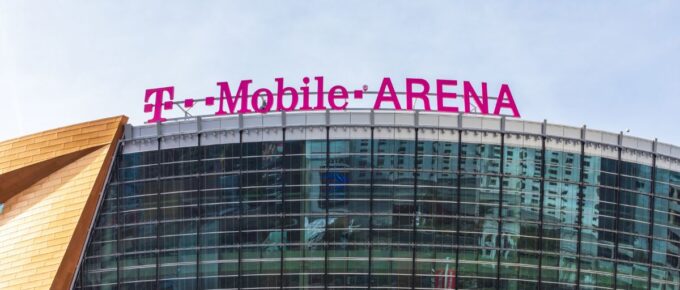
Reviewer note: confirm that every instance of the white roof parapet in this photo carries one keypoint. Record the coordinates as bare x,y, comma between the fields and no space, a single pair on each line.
675,151
395,118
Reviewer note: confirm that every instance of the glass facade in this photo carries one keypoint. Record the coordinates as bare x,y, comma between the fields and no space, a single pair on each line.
466,210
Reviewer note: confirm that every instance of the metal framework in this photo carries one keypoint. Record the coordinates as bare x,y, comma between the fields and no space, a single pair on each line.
543,137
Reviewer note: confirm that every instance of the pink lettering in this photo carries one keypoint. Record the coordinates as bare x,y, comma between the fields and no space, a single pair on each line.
157,106
267,103
482,104
241,93
442,95
337,92
501,103
411,95
305,95
319,94
280,92
264,100
392,97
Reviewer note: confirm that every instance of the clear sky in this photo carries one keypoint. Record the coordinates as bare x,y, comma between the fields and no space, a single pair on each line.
612,65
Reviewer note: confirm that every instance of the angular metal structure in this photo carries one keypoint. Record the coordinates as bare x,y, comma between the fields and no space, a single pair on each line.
50,184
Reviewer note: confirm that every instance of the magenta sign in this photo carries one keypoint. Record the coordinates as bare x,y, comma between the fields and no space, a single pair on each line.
440,95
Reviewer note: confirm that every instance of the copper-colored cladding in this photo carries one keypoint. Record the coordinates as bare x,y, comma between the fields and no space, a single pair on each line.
50,183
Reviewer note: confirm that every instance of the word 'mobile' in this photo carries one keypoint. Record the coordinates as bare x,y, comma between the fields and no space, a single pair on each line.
285,98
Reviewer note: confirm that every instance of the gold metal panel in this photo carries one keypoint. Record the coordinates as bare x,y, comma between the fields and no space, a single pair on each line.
27,150
46,217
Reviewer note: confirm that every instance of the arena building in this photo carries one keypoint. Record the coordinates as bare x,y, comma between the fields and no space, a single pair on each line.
354,199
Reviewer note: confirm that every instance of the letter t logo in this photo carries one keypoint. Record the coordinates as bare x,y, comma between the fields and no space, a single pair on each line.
158,105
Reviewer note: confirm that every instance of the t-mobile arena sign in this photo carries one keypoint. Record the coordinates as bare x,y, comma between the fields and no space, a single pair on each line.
443,97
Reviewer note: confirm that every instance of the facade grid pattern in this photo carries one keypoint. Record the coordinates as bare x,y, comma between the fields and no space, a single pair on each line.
472,210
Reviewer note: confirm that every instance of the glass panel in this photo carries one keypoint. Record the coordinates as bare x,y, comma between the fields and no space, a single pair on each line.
311,214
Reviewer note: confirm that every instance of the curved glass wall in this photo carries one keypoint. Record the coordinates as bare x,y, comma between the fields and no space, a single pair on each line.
474,210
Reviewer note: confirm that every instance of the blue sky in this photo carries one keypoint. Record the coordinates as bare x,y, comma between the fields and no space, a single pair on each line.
612,65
